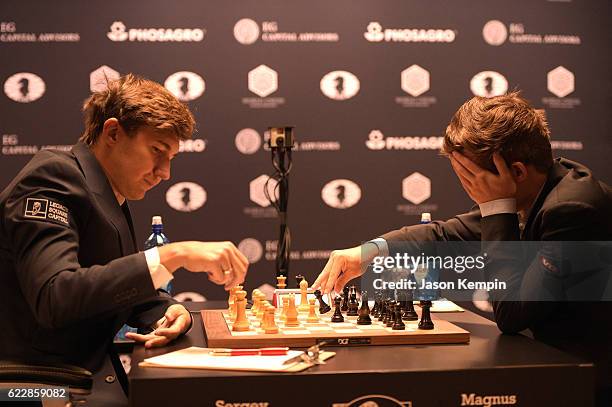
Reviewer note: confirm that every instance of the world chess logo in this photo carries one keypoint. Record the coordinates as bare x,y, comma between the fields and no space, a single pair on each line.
376,140
340,85
117,32
185,85
495,32
246,31
416,188
560,81
186,196
248,141
252,249
374,400
100,78
257,188
341,193
263,81
374,32
415,80
24,87
36,208
489,84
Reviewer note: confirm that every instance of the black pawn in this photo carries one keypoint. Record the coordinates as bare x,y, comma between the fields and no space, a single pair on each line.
364,311
398,324
376,308
345,299
383,310
353,304
323,307
426,322
409,312
337,317
390,319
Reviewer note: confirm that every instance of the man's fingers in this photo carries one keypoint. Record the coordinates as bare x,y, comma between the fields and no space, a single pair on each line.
501,166
336,269
341,282
139,337
469,165
460,170
156,342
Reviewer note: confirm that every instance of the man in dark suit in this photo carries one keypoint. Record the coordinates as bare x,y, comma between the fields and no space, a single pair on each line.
500,150
71,273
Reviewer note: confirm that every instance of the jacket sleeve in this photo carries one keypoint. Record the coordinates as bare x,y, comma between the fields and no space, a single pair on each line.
539,275
45,245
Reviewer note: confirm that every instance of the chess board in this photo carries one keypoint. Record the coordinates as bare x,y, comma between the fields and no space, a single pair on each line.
218,331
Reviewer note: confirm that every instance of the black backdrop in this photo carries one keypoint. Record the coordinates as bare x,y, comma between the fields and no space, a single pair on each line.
556,52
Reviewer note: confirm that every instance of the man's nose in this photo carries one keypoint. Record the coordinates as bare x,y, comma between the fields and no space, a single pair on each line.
163,170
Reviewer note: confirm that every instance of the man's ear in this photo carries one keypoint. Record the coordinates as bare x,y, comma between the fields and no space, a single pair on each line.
110,131
519,171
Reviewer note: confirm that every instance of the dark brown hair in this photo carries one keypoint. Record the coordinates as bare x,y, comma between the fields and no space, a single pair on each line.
136,102
506,124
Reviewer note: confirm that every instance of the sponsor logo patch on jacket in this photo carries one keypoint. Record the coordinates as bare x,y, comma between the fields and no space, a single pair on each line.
38,208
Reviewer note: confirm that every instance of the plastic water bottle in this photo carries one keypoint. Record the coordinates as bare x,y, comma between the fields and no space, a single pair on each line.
427,272
158,238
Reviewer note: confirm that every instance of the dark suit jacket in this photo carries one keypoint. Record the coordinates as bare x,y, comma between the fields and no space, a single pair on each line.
70,273
572,206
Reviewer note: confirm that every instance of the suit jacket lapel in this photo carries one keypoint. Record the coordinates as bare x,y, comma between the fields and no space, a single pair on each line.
100,186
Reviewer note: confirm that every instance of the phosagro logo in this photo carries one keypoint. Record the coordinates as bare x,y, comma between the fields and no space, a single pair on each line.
118,32
473,399
186,196
341,193
185,85
377,141
24,87
376,33
340,85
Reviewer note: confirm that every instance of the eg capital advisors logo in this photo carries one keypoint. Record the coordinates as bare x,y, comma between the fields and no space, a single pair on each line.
495,32
252,249
246,31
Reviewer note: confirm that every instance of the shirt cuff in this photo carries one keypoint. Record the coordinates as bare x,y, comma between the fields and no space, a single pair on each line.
381,244
159,273
504,205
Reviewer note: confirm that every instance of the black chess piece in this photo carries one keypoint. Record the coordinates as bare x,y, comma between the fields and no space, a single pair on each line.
345,299
383,310
426,322
409,312
376,308
353,304
398,324
323,307
337,317
298,280
390,319
364,311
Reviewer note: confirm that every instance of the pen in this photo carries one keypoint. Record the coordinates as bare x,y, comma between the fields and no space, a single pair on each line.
248,352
